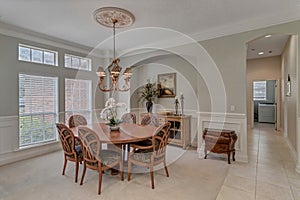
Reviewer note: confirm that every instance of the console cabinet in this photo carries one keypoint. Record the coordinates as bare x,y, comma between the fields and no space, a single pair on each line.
180,131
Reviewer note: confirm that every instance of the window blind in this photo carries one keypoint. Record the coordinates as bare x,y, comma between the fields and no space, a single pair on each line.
37,109
78,98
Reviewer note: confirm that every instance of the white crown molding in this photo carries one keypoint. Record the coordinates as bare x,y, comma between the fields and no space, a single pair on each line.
18,32
248,25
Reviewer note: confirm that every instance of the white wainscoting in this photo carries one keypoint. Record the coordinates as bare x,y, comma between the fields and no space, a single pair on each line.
9,143
230,121
9,138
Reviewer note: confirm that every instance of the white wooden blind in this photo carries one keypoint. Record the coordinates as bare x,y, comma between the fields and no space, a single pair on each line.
37,109
259,90
78,97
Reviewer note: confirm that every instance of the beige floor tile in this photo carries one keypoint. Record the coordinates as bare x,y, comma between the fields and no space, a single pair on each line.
246,172
229,193
241,183
296,194
294,183
278,179
271,191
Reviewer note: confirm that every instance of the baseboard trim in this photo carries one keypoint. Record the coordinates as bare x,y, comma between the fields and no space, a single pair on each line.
27,153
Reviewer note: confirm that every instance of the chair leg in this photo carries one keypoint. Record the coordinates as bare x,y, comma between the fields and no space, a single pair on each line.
166,169
76,171
128,170
228,157
205,153
65,165
100,180
83,173
152,176
233,156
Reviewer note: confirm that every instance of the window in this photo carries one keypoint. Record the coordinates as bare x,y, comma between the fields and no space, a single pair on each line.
76,62
260,90
37,109
78,98
37,55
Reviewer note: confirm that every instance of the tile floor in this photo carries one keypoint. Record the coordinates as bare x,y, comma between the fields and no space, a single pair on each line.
270,173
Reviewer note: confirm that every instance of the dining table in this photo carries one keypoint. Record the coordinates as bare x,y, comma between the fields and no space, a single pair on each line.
128,133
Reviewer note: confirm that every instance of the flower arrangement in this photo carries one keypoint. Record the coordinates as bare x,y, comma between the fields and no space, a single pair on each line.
148,93
110,113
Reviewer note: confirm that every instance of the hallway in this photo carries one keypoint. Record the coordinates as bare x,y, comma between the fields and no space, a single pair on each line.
270,173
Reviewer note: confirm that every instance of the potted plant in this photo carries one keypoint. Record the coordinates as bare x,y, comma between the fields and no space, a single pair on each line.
110,113
148,93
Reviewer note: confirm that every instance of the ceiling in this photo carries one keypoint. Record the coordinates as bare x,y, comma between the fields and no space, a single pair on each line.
267,46
72,20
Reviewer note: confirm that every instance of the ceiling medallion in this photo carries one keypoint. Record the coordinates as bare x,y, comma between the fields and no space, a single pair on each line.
105,15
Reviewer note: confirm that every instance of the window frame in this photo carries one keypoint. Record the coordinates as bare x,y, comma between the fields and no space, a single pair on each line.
55,63
34,114
89,62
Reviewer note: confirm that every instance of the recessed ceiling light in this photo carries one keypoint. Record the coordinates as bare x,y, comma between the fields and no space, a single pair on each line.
260,53
267,36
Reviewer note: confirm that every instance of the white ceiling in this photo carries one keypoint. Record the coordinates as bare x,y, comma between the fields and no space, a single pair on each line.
72,20
270,46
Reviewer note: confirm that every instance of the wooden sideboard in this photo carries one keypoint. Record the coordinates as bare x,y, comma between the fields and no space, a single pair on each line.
180,131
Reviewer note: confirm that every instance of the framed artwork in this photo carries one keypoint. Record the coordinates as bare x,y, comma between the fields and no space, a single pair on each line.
166,84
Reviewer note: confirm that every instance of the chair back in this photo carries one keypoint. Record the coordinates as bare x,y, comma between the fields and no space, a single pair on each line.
160,139
151,120
77,120
67,139
129,118
91,145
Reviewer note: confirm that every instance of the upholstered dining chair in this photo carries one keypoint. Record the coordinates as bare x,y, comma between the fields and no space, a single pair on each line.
77,120
129,118
72,152
96,158
153,154
150,119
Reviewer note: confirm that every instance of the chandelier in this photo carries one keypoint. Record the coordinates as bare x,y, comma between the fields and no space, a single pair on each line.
114,18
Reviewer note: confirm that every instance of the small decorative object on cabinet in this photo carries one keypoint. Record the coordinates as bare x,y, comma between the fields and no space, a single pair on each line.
179,134
220,141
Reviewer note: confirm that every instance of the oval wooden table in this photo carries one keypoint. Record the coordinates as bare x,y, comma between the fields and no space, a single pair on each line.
128,133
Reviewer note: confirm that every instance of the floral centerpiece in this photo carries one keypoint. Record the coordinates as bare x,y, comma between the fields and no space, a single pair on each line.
110,113
148,93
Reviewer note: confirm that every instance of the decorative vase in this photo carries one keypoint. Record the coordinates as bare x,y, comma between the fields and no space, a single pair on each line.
149,105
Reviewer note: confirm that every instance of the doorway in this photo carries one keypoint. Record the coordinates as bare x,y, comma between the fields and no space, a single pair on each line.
265,102
264,70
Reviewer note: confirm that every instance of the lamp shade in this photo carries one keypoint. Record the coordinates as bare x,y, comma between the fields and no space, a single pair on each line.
100,72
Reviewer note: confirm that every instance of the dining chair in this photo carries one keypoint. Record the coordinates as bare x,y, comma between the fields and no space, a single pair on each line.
153,154
76,120
72,152
150,119
96,158
129,118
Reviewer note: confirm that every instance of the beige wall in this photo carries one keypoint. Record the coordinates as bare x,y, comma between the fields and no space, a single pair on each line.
261,69
289,60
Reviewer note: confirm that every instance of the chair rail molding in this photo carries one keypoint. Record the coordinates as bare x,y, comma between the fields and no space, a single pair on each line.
9,143
229,121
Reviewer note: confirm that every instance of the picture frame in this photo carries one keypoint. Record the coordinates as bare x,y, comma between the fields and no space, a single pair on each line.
166,84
